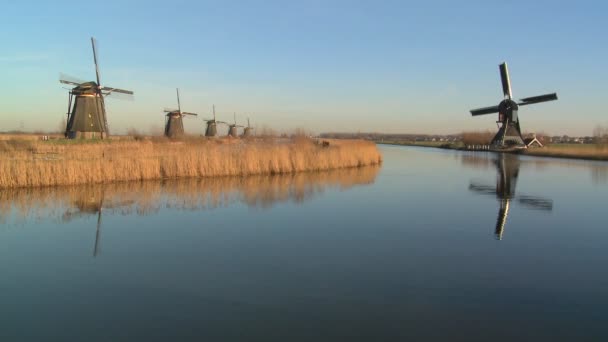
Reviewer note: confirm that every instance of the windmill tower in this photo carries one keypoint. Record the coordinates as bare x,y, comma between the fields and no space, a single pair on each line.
509,133
248,131
174,125
86,108
233,128
211,129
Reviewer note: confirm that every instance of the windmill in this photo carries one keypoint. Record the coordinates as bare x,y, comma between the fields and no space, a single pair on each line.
507,168
509,133
86,108
247,131
211,130
174,125
232,128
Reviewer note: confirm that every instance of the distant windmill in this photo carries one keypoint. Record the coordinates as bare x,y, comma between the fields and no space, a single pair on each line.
211,130
509,134
174,125
86,108
507,168
247,132
233,128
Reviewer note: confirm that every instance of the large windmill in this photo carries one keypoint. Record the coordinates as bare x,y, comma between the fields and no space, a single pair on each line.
248,130
509,133
174,125
211,129
86,108
507,168
233,128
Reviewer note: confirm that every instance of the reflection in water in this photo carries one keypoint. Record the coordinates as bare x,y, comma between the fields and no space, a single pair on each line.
144,198
507,167
598,169
599,173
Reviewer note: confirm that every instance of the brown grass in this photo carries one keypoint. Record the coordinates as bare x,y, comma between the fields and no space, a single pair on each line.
42,163
577,151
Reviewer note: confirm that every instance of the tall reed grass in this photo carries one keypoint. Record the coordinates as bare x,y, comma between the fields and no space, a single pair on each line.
42,163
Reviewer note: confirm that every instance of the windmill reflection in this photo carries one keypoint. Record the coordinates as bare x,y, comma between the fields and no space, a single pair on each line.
507,168
76,203
93,202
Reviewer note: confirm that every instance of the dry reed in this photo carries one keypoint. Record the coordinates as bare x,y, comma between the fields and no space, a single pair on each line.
41,163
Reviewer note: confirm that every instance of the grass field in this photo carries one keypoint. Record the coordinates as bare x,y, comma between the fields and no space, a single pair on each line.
576,151
415,143
26,163
573,151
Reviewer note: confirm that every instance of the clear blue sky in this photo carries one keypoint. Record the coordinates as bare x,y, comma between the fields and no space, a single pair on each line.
391,66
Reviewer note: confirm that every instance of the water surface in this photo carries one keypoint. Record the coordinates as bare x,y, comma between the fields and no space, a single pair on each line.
435,245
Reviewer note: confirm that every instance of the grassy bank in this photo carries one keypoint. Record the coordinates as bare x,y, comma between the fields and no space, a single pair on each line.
46,163
419,143
573,151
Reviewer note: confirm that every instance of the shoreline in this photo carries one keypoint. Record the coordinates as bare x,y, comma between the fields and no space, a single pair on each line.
546,152
55,163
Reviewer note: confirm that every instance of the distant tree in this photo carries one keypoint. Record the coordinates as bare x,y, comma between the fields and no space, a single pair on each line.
477,137
600,135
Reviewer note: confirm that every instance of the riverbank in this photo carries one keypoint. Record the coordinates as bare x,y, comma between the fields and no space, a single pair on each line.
70,162
568,151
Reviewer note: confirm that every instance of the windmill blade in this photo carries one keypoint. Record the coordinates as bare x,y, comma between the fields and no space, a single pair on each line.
104,117
538,99
97,233
188,113
119,96
505,79
484,111
67,79
482,189
536,203
111,90
94,45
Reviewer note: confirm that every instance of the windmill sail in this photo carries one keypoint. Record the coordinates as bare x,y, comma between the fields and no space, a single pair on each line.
538,99
506,80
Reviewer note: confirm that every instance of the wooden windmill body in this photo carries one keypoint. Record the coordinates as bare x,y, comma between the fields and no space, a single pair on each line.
86,107
211,128
174,124
233,128
248,130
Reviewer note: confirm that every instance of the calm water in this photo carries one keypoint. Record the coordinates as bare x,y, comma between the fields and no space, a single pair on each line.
435,245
